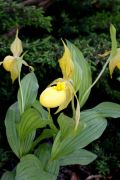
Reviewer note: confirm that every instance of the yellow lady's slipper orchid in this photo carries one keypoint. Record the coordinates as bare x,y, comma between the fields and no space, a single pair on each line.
53,96
60,92
10,63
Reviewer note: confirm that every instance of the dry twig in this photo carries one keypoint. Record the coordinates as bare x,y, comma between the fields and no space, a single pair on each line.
96,177
42,3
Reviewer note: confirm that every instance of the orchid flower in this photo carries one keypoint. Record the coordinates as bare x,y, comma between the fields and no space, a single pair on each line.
60,92
11,63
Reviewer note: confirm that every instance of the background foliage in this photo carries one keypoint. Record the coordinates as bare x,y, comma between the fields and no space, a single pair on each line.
41,26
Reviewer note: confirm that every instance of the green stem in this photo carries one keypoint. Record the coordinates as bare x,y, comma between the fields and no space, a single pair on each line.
96,80
21,93
73,106
77,114
51,124
36,142
41,137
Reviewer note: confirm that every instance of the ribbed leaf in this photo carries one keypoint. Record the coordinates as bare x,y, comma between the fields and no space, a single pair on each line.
47,133
31,120
67,132
95,125
40,109
56,151
108,109
13,117
19,147
82,75
30,168
53,167
66,124
77,76
81,156
29,86
26,143
8,176
44,153
62,147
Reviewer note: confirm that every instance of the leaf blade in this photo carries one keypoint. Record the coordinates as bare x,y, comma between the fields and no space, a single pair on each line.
8,176
81,156
108,109
12,116
95,126
30,168
30,121
29,87
82,78
18,146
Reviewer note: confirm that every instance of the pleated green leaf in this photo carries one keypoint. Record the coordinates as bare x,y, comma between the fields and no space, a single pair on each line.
30,168
81,156
40,109
46,116
13,117
29,86
82,78
43,152
8,176
18,146
26,144
95,126
53,167
31,120
67,132
77,76
108,109
66,124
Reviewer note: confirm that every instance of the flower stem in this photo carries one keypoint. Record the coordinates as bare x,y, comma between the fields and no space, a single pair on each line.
96,80
21,93
73,106
19,65
51,124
